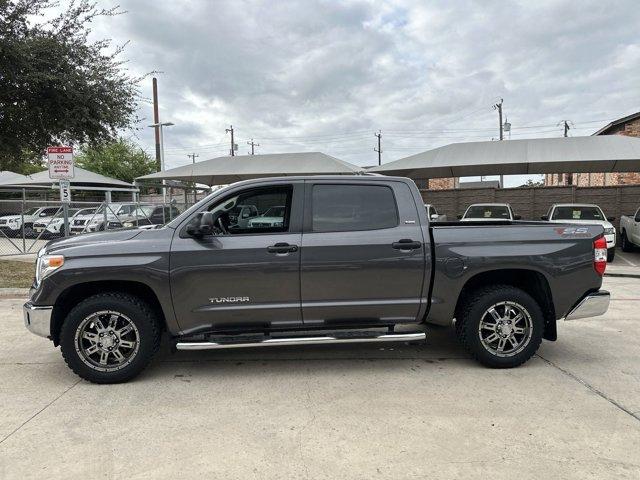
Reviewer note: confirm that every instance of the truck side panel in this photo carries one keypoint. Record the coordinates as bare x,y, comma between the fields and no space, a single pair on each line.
563,254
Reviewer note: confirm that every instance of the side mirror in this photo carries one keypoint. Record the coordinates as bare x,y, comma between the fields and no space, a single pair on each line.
544,217
611,219
459,217
201,225
206,224
517,217
434,216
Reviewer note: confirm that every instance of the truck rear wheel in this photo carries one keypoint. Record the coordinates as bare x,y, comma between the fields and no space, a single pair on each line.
501,326
109,337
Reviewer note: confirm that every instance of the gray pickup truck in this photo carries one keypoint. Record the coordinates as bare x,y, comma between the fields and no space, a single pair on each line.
354,259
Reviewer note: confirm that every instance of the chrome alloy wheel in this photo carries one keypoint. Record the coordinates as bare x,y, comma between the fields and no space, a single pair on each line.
107,341
505,329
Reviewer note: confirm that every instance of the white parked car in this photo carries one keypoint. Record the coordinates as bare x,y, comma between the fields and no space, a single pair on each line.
630,231
54,226
117,213
273,217
433,214
11,225
482,212
585,214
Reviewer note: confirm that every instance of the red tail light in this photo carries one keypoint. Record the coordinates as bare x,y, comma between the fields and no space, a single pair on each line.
600,255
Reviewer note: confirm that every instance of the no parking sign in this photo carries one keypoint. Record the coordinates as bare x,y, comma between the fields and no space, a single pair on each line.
60,162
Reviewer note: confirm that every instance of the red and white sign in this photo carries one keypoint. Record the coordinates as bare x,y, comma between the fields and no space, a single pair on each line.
60,162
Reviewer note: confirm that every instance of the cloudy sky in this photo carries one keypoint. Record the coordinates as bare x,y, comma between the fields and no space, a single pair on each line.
325,75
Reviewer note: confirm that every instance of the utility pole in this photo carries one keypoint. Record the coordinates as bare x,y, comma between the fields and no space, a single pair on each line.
379,149
192,156
252,146
498,106
158,127
565,124
156,121
568,178
227,130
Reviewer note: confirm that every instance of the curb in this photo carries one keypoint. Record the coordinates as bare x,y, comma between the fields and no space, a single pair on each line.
622,275
14,292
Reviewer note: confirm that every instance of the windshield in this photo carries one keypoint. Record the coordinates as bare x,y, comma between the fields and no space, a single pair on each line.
86,211
144,211
577,213
274,212
488,211
32,211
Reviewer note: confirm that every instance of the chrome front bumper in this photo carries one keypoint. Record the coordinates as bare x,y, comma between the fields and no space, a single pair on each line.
37,319
592,305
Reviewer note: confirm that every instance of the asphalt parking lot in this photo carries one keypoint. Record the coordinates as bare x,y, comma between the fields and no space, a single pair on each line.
402,411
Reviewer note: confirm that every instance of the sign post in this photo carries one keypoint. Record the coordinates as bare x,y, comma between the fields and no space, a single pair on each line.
61,168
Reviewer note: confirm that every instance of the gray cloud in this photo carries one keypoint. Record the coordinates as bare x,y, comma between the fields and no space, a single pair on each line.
324,75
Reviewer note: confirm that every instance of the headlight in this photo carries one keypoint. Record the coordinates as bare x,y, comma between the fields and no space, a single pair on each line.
46,264
609,231
128,224
13,220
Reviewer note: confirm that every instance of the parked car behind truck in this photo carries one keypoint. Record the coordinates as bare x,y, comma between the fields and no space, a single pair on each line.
11,225
486,212
582,214
354,258
630,231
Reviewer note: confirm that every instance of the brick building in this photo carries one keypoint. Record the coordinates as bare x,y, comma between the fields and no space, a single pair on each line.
630,126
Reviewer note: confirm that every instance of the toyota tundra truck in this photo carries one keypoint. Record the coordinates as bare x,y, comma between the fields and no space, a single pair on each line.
352,259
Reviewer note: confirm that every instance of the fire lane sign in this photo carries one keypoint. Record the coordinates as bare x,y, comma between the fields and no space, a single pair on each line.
60,162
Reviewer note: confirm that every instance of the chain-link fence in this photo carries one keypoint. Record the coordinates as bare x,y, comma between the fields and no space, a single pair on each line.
26,225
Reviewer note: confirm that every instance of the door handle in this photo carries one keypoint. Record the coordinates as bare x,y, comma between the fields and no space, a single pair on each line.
406,244
282,248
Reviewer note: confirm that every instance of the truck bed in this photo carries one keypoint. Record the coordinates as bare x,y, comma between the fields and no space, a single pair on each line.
559,256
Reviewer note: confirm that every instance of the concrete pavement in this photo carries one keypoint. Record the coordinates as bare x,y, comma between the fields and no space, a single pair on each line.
398,411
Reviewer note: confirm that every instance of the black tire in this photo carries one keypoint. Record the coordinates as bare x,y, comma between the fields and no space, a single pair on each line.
611,254
477,305
625,244
132,310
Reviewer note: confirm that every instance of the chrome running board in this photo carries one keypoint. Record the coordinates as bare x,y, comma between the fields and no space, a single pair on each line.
275,342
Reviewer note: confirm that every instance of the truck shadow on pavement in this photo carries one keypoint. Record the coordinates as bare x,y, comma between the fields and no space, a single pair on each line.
441,346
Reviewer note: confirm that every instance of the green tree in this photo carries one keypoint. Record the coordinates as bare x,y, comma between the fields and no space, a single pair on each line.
120,159
57,87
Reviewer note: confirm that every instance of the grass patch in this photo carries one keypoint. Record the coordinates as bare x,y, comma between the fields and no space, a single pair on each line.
14,274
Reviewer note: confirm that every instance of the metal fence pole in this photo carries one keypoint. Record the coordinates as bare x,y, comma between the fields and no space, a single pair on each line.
24,204
65,216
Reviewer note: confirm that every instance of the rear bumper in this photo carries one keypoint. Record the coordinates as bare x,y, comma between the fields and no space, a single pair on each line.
592,305
37,319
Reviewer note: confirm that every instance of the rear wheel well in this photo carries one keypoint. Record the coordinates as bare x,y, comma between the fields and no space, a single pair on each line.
76,293
530,281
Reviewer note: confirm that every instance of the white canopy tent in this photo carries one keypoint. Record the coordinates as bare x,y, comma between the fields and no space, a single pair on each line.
9,176
224,170
82,180
595,154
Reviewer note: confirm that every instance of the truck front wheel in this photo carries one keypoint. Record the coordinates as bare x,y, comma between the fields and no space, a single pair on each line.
501,326
109,337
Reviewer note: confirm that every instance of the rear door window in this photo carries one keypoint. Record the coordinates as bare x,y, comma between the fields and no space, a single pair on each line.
340,208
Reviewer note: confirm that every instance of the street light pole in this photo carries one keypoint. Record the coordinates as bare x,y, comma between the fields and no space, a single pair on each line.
160,131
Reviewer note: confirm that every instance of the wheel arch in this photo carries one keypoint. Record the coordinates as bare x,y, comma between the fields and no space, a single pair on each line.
74,294
530,281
